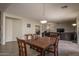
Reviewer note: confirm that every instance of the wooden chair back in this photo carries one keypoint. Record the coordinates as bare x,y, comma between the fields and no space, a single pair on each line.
56,42
22,47
29,36
56,46
35,36
55,51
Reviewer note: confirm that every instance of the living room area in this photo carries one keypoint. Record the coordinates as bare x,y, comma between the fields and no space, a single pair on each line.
67,30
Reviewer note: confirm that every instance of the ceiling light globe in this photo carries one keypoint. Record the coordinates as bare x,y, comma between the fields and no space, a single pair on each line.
43,21
74,24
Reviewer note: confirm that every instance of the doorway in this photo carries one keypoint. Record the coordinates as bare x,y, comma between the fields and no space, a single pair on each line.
37,29
13,29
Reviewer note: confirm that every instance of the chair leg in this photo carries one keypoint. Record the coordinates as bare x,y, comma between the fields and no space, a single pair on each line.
56,52
19,53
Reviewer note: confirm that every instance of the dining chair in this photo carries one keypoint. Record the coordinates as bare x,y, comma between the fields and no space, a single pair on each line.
23,49
35,36
28,36
54,48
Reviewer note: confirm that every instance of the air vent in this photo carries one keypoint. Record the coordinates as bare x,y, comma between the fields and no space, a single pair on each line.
64,7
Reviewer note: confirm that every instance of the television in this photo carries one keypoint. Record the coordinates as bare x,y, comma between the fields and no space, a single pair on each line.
60,30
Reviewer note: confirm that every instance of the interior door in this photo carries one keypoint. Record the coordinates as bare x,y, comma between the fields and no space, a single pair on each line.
13,29
17,29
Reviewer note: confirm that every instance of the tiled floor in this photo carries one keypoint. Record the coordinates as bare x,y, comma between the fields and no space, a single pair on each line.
66,48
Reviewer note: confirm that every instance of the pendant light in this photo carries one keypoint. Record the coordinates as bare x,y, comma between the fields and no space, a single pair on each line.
43,21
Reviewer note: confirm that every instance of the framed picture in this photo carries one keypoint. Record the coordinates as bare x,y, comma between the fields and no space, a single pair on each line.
28,25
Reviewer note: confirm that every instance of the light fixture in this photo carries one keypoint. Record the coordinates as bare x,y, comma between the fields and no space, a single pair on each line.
43,21
74,24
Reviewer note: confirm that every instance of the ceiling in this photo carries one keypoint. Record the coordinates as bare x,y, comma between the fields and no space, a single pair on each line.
53,11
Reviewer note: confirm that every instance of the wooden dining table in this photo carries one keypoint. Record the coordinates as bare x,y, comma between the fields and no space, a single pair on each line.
41,43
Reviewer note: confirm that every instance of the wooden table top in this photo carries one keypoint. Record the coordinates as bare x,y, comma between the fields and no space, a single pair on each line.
42,42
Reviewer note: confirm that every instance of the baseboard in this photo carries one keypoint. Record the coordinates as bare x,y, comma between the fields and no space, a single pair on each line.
10,41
